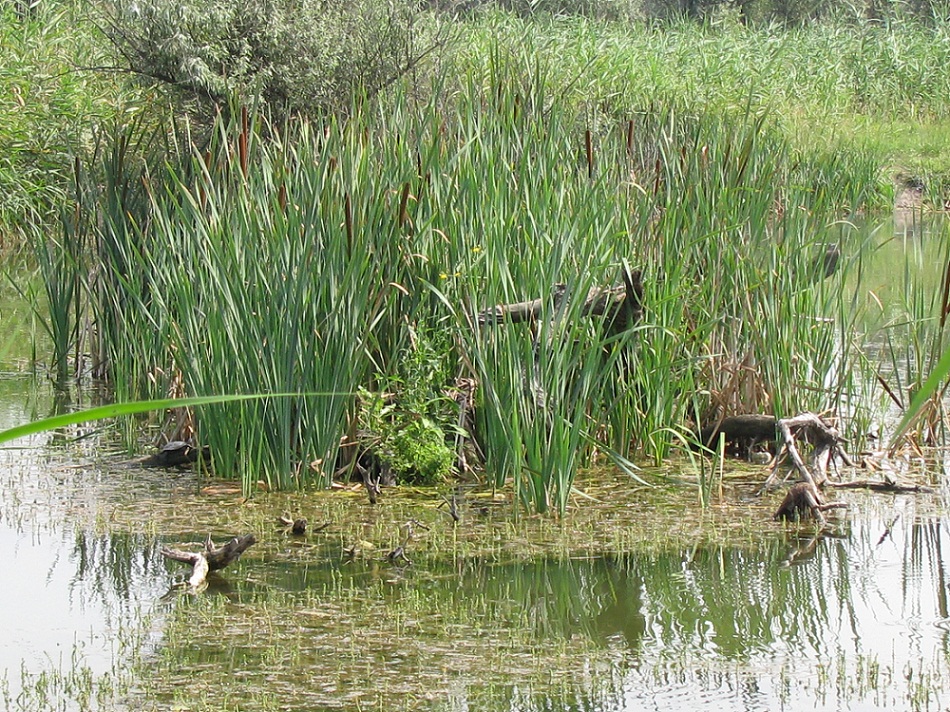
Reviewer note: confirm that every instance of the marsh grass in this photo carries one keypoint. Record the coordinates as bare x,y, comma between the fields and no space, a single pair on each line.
908,323
309,257
53,99
280,259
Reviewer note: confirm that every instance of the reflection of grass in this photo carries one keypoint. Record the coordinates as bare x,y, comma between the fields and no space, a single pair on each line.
493,612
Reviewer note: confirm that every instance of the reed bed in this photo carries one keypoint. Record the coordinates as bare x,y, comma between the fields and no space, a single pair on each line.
820,71
307,258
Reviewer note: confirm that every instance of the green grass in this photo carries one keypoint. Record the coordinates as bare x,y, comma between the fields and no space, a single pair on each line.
54,103
282,260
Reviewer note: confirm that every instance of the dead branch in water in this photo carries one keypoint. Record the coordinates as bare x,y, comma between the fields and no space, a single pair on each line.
212,558
885,486
297,527
811,429
624,304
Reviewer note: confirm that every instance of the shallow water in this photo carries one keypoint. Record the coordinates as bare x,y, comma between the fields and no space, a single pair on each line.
637,600
495,615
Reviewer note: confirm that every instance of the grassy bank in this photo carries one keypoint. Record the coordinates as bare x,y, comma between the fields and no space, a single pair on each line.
827,86
882,87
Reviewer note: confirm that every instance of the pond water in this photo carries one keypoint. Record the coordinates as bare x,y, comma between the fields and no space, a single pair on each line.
650,603
638,599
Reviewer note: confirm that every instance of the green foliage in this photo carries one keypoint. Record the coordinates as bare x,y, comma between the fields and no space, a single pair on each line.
51,100
417,452
296,56
301,257
409,426
275,262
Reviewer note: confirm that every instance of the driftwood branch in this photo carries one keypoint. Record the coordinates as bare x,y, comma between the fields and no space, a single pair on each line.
212,558
811,429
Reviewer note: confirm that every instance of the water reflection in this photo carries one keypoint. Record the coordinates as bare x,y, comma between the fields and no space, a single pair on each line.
75,601
854,620
857,618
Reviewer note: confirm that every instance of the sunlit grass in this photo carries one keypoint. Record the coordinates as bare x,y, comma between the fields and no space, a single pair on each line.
281,260
305,258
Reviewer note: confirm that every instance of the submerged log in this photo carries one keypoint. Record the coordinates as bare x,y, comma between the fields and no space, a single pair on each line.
212,558
886,486
297,527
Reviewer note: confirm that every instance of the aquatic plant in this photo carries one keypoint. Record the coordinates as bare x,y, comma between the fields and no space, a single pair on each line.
305,258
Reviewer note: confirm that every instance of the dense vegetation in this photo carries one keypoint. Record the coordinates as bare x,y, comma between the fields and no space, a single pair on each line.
326,218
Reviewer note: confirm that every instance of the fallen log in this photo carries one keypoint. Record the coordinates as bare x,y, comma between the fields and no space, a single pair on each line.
212,558
177,453
623,304
749,428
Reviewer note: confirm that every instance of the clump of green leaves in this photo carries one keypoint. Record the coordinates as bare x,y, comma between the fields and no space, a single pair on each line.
412,419
417,452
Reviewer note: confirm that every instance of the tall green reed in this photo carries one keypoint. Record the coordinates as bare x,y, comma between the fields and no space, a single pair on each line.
300,258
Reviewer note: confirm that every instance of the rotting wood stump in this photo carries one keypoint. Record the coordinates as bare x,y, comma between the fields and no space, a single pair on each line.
212,558
804,500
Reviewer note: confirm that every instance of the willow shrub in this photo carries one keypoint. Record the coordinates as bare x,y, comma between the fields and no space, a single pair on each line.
300,259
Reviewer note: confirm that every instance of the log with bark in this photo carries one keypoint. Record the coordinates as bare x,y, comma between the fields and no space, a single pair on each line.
623,304
212,558
740,430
